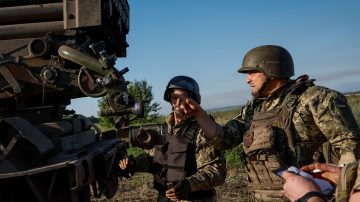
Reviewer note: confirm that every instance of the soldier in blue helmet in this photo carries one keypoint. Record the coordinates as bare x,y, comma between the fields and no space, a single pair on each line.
184,167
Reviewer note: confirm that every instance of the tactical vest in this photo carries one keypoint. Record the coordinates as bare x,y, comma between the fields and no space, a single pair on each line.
176,160
270,144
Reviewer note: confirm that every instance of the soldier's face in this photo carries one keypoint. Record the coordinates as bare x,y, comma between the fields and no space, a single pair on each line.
255,79
177,103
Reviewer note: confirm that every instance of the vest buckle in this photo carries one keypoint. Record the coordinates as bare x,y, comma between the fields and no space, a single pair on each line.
261,157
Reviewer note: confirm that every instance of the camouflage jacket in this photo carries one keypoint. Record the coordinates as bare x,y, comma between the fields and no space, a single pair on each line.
348,182
320,112
211,163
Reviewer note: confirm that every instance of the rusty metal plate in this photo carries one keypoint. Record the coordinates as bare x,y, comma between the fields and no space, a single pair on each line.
55,129
75,141
10,79
79,13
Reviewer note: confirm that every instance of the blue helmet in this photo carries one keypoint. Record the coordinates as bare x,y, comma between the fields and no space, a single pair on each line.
186,83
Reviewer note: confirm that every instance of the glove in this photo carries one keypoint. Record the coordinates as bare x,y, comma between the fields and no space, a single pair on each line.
128,164
132,163
182,189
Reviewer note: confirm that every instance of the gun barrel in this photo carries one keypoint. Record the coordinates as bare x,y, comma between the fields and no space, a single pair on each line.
137,109
7,3
30,30
31,13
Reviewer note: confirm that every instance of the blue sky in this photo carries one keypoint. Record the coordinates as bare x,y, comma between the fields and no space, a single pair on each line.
207,40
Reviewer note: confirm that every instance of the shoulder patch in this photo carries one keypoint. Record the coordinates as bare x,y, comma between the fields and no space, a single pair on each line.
341,104
248,138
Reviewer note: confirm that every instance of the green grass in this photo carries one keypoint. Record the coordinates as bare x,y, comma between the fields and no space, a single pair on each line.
233,158
222,117
135,151
232,155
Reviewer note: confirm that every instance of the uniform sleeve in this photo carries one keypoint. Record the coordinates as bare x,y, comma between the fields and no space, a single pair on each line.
211,166
335,120
144,162
231,134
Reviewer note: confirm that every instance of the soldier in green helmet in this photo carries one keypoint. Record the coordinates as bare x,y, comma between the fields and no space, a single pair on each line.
289,122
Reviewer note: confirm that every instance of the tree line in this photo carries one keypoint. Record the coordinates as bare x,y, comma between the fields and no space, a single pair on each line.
142,91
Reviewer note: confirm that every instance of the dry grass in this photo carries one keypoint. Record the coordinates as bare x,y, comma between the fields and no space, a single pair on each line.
234,188
139,188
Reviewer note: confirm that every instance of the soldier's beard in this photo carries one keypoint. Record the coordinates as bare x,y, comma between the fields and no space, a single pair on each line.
179,112
254,94
257,94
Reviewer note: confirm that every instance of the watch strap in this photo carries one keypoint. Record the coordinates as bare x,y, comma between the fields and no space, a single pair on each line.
308,195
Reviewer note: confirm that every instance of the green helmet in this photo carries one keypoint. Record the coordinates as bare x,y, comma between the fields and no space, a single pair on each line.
185,83
273,61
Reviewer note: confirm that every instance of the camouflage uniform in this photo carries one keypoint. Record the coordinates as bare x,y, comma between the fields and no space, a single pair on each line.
349,181
317,115
211,163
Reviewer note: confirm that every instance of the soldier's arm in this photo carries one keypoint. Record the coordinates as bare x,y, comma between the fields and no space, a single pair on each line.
231,134
144,162
335,119
211,166
218,136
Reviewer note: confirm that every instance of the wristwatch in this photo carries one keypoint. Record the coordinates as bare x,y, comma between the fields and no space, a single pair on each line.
308,195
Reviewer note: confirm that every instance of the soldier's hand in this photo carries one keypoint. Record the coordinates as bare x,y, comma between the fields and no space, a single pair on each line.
190,106
330,172
181,190
128,163
297,186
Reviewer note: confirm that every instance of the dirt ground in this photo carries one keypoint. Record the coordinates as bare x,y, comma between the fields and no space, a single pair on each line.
139,188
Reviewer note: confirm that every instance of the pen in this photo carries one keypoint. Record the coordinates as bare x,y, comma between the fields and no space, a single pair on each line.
319,171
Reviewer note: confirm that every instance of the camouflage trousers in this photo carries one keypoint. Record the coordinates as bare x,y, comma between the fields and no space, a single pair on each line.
162,198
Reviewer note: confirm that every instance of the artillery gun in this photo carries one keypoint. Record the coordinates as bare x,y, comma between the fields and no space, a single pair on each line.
52,51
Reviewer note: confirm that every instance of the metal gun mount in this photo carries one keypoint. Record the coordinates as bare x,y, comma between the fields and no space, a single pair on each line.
113,83
145,136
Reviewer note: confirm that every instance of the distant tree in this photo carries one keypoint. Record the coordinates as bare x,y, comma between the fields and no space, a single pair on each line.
107,121
67,117
94,119
142,91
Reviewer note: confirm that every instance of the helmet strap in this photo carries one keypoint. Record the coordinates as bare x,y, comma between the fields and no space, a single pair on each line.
262,88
